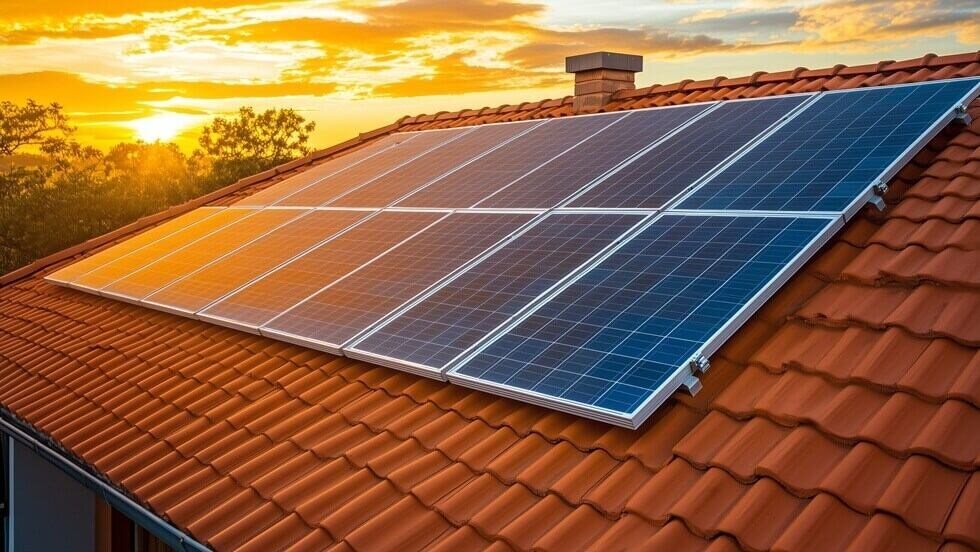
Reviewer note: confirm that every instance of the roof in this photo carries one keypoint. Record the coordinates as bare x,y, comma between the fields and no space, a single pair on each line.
845,413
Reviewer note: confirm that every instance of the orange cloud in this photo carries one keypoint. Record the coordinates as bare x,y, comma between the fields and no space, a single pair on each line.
32,9
549,48
879,21
80,30
452,75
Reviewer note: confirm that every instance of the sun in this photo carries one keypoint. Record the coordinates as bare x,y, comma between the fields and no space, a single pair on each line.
162,126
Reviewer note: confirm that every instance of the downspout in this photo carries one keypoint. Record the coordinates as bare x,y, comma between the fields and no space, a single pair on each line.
163,530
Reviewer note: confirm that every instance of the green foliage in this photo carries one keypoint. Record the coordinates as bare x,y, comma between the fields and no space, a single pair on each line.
55,193
253,142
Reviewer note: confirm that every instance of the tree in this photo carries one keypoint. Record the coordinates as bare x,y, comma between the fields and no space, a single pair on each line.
41,127
149,177
41,167
253,142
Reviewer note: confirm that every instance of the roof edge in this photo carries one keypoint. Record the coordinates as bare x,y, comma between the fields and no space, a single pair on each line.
98,483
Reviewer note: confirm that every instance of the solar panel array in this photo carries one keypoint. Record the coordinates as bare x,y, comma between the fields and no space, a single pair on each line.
589,264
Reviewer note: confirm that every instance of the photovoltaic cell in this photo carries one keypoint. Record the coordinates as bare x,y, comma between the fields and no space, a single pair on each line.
219,278
78,268
195,255
343,310
363,172
558,180
319,172
664,172
388,188
470,184
127,264
451,320
274,293
611,339
833,151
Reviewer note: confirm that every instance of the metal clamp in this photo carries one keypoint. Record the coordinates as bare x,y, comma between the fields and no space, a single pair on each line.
878,199
962,115
699,364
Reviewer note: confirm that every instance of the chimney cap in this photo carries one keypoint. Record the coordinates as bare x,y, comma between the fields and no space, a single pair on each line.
604,60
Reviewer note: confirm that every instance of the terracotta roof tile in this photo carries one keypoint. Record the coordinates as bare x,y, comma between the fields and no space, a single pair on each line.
844,414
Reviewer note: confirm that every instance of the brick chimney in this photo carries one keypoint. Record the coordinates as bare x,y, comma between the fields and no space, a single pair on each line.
598,75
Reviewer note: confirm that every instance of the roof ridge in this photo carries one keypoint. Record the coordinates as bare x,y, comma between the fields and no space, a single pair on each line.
930,60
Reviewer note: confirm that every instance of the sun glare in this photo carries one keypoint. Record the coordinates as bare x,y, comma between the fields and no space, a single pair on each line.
162,126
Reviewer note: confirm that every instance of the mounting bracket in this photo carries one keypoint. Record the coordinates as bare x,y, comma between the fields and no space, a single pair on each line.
962,115
692,384
878,199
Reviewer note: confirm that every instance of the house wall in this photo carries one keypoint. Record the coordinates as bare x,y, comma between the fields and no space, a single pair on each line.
48,509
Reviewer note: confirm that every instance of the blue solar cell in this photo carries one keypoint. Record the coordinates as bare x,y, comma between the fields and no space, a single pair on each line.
561,178
475,181
669,169
337,314
611,339
833,151
442,326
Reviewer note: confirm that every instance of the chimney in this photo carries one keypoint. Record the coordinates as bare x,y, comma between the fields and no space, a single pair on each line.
598,75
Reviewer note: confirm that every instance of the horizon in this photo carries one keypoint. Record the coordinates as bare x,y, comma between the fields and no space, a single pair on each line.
162,73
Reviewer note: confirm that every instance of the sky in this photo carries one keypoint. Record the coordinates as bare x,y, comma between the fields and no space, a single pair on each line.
160,69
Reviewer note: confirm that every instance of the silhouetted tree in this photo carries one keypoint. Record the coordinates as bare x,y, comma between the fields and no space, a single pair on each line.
43,128
41,167
253,142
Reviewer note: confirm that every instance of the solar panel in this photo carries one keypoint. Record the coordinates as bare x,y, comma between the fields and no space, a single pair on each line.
470,184
430,334
274,293
559,179
340,312
80,267
194,292
127,264
329,188
390,187
657,176
589,307
197,254
316,173
615,342
828,157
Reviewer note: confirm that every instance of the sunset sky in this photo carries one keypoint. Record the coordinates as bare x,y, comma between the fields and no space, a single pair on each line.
154,69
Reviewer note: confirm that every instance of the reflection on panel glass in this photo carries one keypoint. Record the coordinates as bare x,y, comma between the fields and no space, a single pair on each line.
560,179
276,292
670,168
350,306
196,291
